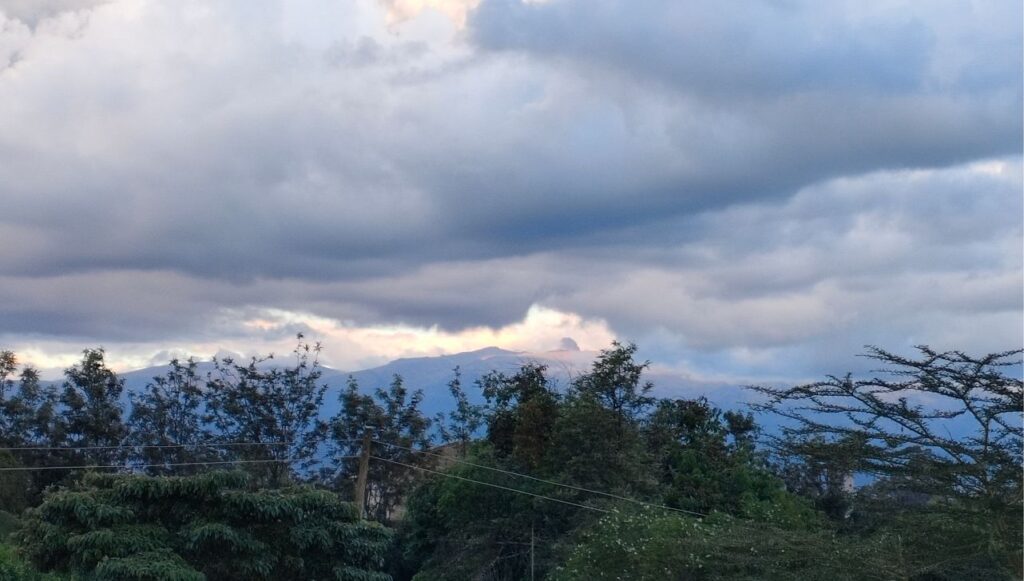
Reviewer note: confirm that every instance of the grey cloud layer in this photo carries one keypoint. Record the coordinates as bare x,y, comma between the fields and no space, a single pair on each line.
730,174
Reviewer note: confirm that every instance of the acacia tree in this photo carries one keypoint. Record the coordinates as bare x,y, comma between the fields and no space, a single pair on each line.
273,410
944,423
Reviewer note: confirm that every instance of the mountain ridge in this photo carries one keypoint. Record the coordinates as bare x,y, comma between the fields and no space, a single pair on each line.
432,373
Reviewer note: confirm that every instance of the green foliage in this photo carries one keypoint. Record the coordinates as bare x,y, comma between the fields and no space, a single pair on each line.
27,419
651,545
155,565
615,382
707,462
465,419
940,508
210,526
951,499
595,447
392,416
90,414
456,529
599,435
13,568
931,545
524,409
14,485
8,524
167,424
279,406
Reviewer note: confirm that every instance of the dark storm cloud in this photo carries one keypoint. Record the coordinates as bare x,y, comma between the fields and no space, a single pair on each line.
736,51
752,175
765,97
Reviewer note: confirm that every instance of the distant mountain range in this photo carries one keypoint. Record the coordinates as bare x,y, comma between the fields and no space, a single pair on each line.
432,374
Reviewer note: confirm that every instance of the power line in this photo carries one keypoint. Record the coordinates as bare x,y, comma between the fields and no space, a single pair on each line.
140,446
552,482
232,444
150,446
137,466
516,490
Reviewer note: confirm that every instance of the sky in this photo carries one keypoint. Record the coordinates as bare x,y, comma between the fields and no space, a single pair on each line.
754,188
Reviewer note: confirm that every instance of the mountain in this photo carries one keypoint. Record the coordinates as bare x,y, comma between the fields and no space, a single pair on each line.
432,374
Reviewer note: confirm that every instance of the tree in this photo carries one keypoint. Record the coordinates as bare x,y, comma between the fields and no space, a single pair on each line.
90,417
948,422
523,412
30,412
274,410
706,460
615,381
166,423
210,526
594,447
397,427
597,440
27,408
939,434
463,421
8,365
27,421
458,528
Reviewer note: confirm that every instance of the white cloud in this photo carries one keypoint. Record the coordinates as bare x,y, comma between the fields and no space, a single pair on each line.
255,332
399,11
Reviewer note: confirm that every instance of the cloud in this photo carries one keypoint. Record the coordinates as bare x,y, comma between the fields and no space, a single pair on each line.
32,12
400,11
725,183
766,48
257,332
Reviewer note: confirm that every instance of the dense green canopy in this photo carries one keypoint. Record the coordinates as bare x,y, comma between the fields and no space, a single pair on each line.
208,526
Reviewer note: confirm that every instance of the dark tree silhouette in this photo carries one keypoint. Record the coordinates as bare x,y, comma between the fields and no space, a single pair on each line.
273,409
947,423
166,423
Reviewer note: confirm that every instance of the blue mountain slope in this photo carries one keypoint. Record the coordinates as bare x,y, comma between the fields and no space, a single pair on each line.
432,374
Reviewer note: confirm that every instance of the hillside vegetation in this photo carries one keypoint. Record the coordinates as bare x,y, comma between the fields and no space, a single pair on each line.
233,474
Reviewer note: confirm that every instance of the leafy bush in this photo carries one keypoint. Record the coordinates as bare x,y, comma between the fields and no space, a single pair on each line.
13,568
209,526
932,545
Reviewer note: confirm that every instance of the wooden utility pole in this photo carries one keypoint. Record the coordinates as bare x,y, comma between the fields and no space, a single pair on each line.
364,472
532,561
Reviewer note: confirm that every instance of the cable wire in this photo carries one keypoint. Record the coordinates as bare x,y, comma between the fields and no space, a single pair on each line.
150,446
447,475
551,482
137,466
139,446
